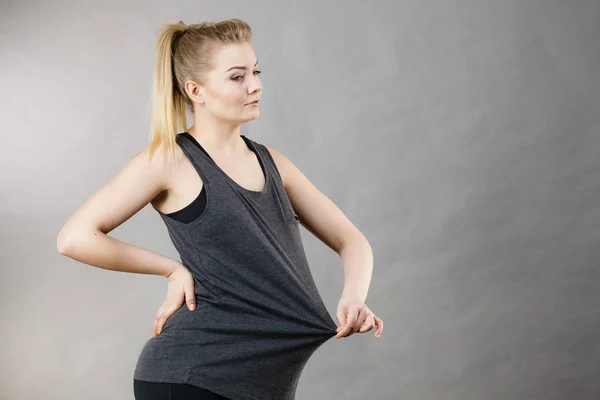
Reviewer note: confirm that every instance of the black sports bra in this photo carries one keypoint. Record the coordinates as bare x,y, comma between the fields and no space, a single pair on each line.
193,210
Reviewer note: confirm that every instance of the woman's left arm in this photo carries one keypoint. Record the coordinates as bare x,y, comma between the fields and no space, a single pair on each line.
320,216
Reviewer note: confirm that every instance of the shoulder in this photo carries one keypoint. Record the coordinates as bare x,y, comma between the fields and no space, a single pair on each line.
160,165
276,155
285,167
280,160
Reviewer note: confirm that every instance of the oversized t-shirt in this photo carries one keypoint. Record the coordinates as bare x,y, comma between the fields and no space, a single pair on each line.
258,316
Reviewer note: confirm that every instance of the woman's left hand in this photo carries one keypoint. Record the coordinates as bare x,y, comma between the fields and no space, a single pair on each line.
354,316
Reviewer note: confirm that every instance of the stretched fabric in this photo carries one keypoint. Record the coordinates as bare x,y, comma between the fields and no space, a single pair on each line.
258,316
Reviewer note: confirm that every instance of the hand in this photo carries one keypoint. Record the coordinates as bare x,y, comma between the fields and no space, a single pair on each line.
181,285
354,316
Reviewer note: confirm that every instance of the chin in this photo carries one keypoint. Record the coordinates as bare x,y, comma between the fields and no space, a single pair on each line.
250,118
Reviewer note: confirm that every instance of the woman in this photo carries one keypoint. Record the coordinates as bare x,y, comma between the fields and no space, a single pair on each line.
232,208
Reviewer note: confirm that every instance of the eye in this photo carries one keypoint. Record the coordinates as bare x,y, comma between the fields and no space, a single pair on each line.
237,78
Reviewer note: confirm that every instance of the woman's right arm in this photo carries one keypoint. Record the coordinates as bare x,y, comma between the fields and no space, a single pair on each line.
85,238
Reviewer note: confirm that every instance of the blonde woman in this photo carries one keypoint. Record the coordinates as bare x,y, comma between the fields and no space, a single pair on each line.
242,314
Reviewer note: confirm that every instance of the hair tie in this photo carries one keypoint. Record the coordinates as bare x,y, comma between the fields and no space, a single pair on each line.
176,41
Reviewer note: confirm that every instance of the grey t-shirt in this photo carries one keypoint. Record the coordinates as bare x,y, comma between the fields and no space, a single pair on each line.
258,316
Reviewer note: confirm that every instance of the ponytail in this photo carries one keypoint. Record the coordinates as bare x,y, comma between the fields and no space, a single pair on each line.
168,103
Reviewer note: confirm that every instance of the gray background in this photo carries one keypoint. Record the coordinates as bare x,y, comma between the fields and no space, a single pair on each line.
461,137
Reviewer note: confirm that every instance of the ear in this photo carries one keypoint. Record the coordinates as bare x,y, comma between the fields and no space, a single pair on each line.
195,92
200,94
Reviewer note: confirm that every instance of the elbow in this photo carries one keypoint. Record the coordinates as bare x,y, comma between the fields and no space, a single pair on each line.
74,239
67,240
63,242
352,239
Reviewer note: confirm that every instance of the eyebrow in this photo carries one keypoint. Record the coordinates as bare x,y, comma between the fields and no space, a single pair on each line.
240,67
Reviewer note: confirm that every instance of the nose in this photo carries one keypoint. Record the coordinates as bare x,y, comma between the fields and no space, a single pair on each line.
255,86
254,89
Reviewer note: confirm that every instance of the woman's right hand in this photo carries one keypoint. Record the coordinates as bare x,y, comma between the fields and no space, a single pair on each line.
181,286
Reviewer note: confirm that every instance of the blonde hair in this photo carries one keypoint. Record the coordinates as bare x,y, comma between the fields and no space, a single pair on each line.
184,52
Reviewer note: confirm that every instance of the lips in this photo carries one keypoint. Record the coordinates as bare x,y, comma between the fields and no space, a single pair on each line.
254,102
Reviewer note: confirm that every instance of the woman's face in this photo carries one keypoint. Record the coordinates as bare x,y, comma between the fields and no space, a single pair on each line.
232,84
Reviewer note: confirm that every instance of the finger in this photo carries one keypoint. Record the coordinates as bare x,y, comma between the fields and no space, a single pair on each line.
350,320
161,317
341,317
344,327
368,325
154,326
156,319
379,323
161,321
369,322
190,297
362,316
166,314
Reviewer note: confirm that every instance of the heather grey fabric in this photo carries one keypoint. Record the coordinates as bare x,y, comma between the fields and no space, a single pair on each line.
259,316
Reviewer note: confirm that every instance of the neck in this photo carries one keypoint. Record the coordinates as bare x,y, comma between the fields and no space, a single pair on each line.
217,136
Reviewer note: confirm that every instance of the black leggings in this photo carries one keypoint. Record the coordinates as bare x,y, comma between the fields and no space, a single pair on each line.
144,390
